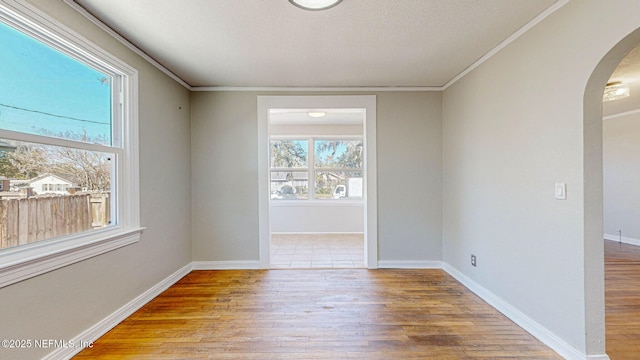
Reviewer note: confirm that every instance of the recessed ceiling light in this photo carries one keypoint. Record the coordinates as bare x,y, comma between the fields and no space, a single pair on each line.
316,114
315,4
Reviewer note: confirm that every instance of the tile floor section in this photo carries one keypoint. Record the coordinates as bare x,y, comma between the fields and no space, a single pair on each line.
322,251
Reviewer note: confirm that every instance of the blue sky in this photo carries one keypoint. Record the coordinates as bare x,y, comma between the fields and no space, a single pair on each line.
40,88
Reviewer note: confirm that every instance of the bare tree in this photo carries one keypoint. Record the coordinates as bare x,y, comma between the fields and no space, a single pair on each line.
86,168
29,159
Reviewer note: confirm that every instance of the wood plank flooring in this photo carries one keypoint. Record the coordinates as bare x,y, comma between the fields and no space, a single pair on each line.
317,314
622,289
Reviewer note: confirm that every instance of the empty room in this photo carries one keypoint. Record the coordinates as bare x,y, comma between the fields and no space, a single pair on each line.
309,179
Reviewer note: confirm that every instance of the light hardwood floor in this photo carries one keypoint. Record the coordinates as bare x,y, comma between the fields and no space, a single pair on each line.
622,290
317,314
350,314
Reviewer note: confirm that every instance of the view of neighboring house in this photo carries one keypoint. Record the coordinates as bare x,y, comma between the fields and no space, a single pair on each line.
295,179
50,184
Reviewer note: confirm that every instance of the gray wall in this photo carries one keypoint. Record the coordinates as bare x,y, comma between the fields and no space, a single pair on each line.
63,303
224,152
500,138
621,137
512,128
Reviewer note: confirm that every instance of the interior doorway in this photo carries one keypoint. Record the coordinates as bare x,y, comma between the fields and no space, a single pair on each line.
316,188
621,199
317,205
594,193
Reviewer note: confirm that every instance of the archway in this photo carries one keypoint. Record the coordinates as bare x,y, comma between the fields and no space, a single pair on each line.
593,192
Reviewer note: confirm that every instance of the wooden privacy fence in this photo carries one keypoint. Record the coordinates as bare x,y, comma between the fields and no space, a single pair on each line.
25,220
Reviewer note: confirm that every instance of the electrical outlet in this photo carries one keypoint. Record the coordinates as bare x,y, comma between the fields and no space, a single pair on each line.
473,260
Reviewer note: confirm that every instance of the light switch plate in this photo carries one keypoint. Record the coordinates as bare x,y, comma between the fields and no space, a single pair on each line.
561,191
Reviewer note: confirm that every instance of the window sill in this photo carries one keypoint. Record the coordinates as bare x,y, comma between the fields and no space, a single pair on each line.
25,262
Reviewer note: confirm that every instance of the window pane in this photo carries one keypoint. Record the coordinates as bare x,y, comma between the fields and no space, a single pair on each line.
289,185
51,191
289,153
45,92
339,185
338,154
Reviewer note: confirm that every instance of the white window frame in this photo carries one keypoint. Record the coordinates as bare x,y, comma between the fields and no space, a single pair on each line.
311,169
314,169
293,169
23,262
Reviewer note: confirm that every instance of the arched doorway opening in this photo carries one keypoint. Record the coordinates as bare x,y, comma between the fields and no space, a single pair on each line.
593,190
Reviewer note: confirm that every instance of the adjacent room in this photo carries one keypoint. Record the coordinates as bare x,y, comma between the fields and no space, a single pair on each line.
300,179
621,144
316,183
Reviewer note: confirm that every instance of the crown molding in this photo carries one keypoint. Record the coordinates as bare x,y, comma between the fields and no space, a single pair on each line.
77,7
543,15
317,89
506,42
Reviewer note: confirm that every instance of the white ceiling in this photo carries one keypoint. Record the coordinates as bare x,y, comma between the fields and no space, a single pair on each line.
332,117
359,43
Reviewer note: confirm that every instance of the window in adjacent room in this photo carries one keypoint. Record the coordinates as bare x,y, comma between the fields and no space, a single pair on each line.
334,166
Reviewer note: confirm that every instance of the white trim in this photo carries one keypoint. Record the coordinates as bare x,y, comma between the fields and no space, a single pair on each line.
529,325
104,27
40,257
366,102
264,187
227,265
371,183
543,15
102,327
626,113
317,203
506,42
128,171
545,336
318,89
56,141
311,169
410,264
623,239
317,233
21,263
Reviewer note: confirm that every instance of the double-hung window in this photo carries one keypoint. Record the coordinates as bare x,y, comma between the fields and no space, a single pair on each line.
68,147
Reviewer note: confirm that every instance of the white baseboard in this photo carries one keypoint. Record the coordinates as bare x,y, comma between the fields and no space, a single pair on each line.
409,264
317,233
541,333
96,331
529,325
626,240
226,265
